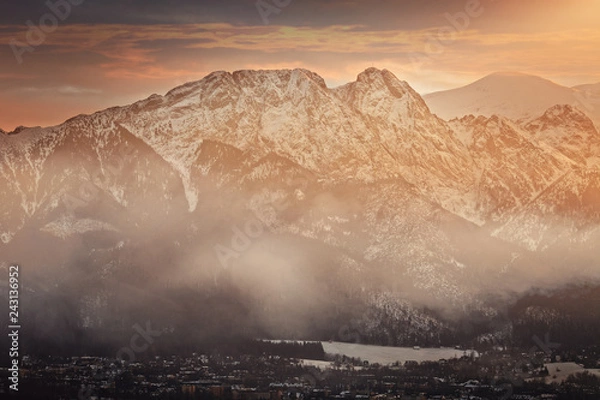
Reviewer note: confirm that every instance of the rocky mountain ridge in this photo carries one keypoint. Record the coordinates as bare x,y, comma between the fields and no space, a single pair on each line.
361,188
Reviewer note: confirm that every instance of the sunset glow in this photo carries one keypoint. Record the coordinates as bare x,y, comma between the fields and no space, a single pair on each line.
114,54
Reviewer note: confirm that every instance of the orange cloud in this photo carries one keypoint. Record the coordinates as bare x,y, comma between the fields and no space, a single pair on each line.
154,58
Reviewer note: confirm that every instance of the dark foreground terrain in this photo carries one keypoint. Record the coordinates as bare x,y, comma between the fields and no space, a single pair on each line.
274,371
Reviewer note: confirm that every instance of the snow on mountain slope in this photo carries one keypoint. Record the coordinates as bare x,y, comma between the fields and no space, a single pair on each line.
22,158
426,152
512,169
513,95
568,130
374,128
69,226
389,132
566,214
54,172
360,188
285,112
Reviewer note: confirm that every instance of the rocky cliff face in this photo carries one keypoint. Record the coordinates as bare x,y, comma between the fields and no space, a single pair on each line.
361,189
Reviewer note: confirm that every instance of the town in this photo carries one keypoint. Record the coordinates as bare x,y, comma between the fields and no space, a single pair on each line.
267,371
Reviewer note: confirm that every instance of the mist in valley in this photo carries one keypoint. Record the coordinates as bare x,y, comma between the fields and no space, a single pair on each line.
287,258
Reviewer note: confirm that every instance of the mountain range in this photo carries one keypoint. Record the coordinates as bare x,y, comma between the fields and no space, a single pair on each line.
289,207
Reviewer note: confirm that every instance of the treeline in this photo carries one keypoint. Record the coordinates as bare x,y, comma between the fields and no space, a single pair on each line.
569,317
307,350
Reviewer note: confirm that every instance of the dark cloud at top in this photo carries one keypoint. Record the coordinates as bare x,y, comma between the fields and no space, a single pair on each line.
133,11
379,14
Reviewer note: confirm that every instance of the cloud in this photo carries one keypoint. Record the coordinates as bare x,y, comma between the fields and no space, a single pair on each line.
133,49
63,90
72,90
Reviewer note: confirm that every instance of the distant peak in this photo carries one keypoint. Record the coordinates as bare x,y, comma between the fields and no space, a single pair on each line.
373,73
497,120
374,77
313,76
563,115
561,111
17,130
373,70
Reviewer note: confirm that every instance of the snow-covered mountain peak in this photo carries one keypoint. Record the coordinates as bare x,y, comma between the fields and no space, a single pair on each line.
497,120
516,96
564,114
380,94
265,78
372,74
20,129
563,118
316,78
374,79
569,130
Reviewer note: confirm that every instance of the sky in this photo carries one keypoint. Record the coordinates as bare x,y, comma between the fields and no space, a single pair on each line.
61,58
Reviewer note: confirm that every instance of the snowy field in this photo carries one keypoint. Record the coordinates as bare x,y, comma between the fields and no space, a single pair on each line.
563,370
316,363
389,355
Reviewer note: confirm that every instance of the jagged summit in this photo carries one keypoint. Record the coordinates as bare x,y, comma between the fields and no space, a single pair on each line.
563,117
377,121
377,79
384,96
567,114
372,73
19,129
250,78
569,130
296,82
